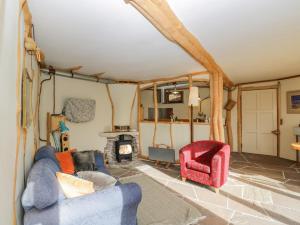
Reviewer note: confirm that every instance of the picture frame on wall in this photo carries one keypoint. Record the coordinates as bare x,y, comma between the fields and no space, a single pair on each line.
172,97
293,102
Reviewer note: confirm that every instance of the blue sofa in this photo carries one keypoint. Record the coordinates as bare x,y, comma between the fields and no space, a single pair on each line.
45,204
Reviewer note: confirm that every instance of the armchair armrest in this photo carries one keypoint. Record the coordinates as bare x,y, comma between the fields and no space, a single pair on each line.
185,155
116,205
220,166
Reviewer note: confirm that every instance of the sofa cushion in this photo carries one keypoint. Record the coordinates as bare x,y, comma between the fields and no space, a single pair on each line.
66,161
101,180
73,186
198,166
84,161
46,152
42,189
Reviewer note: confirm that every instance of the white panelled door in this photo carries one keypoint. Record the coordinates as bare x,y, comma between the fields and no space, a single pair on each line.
259,119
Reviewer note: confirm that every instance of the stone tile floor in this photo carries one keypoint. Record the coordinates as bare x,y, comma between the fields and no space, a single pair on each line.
260,190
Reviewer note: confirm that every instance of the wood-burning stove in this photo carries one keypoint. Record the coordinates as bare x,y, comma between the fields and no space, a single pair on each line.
124,148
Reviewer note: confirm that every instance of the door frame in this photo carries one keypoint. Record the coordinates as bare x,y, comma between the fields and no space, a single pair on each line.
240,114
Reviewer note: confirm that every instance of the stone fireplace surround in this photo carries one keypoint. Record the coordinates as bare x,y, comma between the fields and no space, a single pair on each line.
109,150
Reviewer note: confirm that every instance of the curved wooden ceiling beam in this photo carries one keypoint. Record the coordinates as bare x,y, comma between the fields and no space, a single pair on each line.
173,77
159,13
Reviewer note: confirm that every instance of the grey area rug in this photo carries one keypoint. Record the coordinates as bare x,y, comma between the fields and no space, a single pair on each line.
125,164
161,206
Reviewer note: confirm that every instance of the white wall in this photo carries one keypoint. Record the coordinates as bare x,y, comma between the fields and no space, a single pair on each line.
8,66
8,135
85,136
289,120
122,95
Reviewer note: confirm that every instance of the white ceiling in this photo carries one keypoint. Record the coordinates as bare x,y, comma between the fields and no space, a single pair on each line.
250,40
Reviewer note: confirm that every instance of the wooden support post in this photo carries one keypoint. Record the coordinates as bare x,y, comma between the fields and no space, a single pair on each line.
220,108
190,80
211,94
239,119
171,135
228,123
191,125
216,122
112,108
139,118
155,113
278,92
191,113
214,109
132,106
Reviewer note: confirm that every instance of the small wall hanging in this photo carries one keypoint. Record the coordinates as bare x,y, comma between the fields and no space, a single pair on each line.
79,110
293,102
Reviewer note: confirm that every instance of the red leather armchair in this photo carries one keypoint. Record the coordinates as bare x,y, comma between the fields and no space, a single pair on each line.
206,162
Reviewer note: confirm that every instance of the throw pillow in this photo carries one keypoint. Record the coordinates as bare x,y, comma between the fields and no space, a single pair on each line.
84,161
65,160
100,180
73,186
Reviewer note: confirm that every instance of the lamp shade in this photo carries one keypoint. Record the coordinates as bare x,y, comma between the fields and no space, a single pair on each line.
194,96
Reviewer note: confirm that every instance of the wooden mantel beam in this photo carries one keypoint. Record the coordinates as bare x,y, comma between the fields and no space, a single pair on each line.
162,17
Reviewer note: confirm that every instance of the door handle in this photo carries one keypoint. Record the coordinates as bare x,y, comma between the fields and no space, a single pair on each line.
276,132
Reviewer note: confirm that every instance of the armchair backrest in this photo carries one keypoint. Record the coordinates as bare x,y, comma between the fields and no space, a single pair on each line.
199,148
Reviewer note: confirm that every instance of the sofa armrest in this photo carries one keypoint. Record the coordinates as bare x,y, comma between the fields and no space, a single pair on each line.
220,166
116,205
